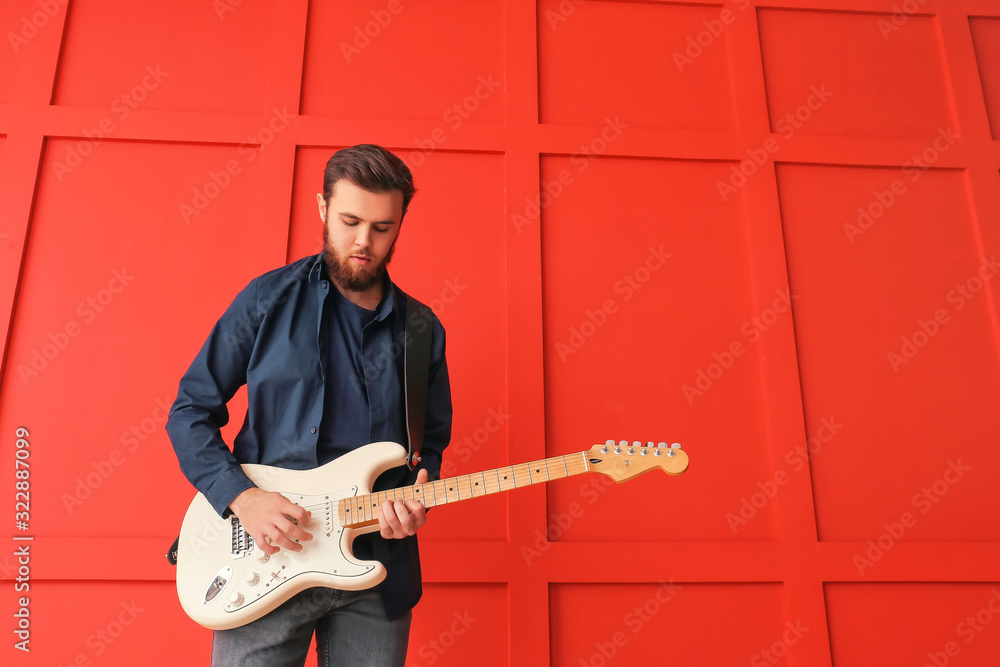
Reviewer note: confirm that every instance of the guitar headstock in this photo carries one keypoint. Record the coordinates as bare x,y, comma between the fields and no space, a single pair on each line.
623,460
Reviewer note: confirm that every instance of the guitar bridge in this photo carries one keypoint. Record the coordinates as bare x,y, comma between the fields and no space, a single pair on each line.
242,541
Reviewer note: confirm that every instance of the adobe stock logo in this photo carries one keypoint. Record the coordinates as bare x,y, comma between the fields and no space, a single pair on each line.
363,36
121,107
626,286
88,309
455,116
901,13
787,126
581,159
923,501
697,44
915,167
38,20
753,329
926,330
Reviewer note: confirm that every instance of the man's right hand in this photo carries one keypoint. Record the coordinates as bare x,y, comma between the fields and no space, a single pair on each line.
271,519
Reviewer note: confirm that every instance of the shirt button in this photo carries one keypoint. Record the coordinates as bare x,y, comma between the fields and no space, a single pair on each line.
312,430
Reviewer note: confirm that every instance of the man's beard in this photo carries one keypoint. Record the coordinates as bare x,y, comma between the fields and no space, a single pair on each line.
349,275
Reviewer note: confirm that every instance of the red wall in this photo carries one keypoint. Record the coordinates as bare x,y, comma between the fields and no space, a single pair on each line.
767,232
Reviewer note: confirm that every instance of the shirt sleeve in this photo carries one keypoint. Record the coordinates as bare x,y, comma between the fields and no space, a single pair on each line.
200,411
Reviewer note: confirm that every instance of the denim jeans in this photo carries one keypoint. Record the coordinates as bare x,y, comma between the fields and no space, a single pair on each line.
351,630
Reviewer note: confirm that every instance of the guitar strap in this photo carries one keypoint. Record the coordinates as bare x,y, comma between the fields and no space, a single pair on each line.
416,370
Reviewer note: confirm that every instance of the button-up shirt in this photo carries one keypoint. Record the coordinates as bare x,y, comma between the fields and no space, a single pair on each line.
277,338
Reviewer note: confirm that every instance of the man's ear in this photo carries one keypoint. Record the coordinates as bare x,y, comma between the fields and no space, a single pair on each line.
322,206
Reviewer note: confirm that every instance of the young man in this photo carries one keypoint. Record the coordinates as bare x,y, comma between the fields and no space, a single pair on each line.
318,344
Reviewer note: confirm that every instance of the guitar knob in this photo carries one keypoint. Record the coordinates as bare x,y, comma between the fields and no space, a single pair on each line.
236,599
264,558
253,579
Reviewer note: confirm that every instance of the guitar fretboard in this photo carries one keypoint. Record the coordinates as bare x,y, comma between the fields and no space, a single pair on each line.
362,510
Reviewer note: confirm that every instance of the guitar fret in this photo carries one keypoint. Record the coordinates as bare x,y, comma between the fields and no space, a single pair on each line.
482,484
364,509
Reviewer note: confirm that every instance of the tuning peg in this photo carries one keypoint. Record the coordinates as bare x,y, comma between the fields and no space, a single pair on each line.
673,449
676,445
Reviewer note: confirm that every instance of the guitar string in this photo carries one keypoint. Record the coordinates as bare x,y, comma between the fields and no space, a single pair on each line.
327,506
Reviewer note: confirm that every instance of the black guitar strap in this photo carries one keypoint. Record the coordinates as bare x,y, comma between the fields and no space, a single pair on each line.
416,368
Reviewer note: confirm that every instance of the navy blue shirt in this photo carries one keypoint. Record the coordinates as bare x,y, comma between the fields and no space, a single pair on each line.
282,337
350,414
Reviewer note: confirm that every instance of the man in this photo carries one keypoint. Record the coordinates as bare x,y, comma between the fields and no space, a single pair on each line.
323,369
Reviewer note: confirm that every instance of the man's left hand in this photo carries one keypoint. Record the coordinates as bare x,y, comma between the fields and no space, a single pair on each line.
401,518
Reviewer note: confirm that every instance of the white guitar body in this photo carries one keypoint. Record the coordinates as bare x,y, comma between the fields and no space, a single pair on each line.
224,581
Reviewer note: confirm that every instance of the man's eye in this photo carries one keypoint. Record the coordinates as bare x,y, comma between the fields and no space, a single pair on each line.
381,229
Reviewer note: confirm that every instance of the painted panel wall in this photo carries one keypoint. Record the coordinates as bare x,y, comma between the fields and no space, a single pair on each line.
767,231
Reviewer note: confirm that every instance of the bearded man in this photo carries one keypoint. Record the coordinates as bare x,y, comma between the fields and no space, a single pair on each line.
318,343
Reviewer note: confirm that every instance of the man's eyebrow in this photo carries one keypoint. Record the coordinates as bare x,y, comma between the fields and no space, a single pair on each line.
351,216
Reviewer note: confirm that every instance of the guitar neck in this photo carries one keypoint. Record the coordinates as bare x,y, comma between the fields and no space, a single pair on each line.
360,511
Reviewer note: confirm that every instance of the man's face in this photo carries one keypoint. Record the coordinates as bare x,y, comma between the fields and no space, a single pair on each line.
359,234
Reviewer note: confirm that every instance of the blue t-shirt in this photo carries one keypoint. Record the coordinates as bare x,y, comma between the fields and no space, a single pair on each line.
346,422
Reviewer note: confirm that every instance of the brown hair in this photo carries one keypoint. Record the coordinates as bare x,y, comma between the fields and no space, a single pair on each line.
371,168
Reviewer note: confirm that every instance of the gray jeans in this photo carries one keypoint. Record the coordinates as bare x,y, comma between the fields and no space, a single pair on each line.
351,629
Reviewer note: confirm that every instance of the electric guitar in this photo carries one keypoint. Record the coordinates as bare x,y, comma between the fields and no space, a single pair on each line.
224,582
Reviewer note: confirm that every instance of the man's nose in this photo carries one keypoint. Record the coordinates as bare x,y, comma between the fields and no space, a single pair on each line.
363,237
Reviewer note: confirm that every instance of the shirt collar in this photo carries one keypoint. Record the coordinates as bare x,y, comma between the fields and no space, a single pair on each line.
390,295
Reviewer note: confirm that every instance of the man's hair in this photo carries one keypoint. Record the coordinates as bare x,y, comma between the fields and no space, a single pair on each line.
371,168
